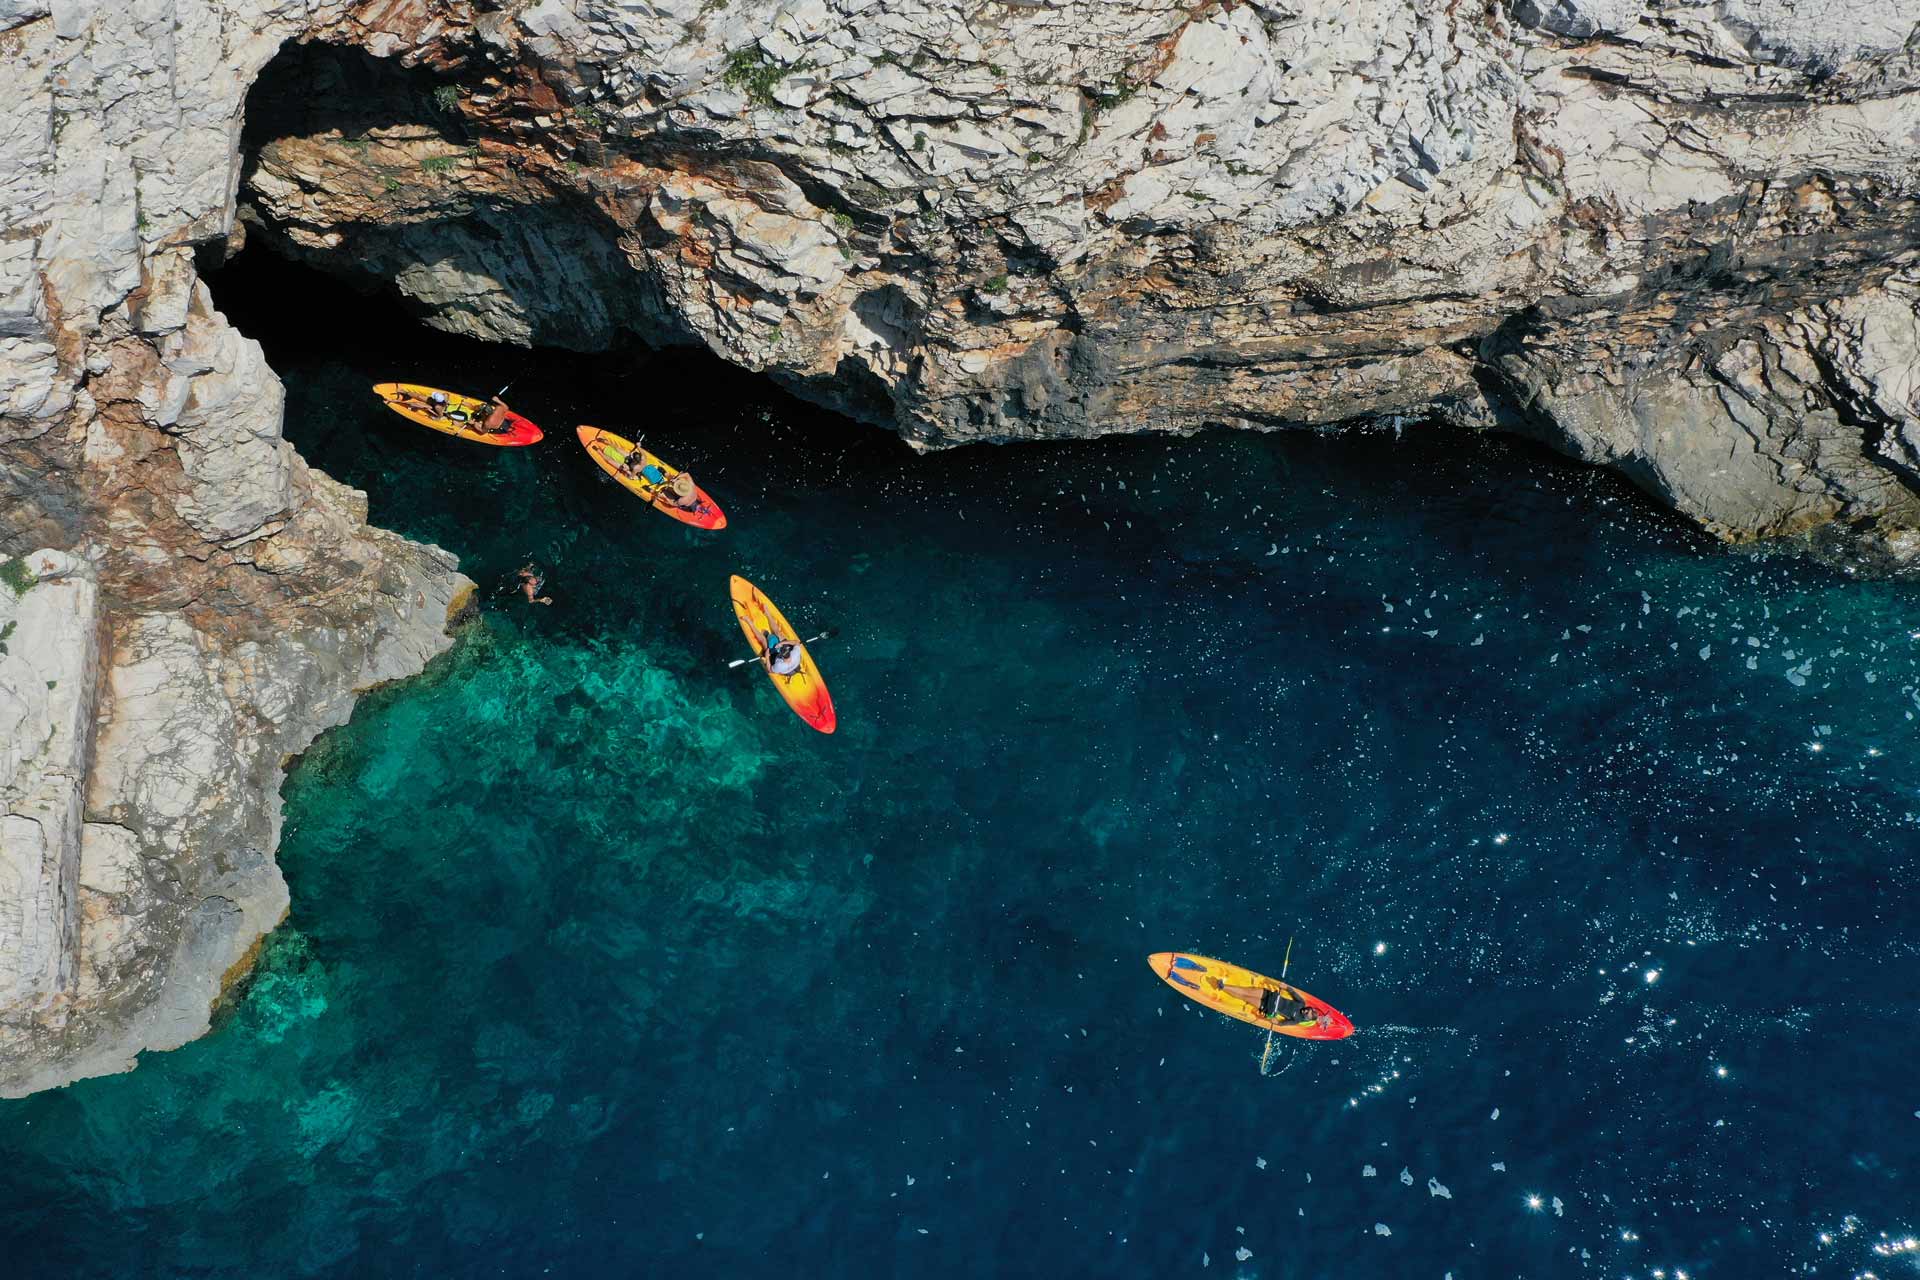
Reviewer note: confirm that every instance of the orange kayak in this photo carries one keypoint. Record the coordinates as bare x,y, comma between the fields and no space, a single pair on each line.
609,451
462,418
1201,979
804,690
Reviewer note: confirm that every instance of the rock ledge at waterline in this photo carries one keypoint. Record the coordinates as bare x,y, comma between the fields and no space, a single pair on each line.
1674,238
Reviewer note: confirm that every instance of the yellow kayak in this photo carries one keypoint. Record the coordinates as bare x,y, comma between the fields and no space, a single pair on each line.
804,690
1203,980
610,452
462,417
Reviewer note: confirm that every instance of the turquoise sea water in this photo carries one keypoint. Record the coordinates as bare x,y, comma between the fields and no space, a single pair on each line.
602,963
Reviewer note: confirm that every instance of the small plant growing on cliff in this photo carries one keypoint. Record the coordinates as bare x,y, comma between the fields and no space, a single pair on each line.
1111,97
447,98
589,117
919,142
4,633
390,182
18,578
996,284
755,74
436,164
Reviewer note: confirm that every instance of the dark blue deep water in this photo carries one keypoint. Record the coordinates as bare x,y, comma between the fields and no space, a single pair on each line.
602,964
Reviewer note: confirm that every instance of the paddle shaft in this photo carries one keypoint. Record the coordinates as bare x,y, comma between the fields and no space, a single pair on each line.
1267,1048
741,662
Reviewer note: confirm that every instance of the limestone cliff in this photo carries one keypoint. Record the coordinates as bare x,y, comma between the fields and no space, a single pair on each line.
183,603
1670,236
1677,237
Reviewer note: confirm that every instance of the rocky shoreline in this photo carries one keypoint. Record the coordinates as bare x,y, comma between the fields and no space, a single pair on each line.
1678,239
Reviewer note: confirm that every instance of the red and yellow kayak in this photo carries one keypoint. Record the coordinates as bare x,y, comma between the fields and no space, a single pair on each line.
463,417
609,451
804,690
1200,978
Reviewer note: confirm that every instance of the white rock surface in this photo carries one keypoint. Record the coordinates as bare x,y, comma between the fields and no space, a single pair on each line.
1081,217
214,603
49,651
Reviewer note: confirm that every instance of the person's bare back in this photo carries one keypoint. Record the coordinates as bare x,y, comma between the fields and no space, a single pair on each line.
496,420
530,585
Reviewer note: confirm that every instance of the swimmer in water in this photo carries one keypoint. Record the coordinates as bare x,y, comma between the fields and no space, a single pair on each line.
531,584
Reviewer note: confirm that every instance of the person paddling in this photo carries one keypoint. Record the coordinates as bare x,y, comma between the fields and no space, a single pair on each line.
496,420
1284,1005
783,657
682,492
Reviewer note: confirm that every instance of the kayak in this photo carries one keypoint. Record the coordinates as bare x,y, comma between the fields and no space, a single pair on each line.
610,450
804,690
1198,978
463,417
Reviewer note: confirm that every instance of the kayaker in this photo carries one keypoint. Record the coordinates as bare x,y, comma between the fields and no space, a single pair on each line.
682,492
1284,1005
530,586
434,405
783,657
496,420
636,466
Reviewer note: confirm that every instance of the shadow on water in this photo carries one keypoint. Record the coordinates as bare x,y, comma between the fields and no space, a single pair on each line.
601,962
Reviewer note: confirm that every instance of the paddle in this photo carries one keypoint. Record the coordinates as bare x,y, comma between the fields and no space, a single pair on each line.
1266,1052
741,662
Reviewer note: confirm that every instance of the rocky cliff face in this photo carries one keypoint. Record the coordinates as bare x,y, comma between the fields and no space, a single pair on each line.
183,603
1670,236
1677,238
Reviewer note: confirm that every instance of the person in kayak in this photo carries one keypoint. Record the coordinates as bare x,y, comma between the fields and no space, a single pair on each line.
1284,1005
530,585
682,492
434,404
783,657
496,420
635,466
